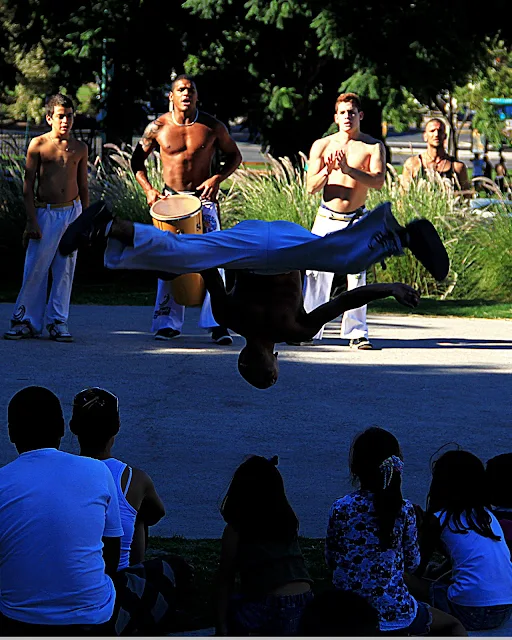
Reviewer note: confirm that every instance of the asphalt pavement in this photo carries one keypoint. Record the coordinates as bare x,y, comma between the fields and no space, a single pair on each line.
189,419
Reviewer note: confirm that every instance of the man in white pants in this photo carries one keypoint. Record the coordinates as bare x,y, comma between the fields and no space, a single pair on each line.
187,139
58,163
344,166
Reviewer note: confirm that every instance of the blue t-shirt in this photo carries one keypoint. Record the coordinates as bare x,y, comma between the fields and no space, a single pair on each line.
54,510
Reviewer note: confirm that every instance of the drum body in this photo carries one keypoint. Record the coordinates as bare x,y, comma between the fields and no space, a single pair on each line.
181,213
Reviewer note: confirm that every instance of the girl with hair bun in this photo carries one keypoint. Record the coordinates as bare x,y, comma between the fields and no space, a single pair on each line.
95,422
260,544
372,540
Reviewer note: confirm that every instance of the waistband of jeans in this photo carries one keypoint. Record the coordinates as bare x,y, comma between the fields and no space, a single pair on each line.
174,192
59,205
335,215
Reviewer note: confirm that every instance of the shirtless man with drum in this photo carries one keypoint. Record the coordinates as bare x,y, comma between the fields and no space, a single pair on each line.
344,166
187,139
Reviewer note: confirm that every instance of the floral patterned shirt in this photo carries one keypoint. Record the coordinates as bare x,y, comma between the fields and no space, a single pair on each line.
352,550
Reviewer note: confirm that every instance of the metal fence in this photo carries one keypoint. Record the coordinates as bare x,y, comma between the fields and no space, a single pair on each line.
16,142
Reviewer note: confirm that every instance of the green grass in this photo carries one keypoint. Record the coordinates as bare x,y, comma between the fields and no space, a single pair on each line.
454,308
204,556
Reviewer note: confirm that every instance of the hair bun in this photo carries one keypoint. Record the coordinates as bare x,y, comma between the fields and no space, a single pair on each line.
274,460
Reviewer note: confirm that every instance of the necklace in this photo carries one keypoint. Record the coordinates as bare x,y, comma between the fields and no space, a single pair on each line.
185,124
437,162
57,146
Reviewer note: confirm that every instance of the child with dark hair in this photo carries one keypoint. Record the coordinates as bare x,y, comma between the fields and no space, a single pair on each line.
372,539
458,510
499,484
339,613
260,544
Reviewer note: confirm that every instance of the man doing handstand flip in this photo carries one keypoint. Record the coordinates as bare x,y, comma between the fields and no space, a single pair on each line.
265,305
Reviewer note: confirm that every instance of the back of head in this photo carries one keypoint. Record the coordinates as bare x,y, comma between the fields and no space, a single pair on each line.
376,462
58,99
339,613
35,418
95,417
459,488
256,505
499,480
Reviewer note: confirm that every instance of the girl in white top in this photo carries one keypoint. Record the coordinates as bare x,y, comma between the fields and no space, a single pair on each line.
95,422
460,523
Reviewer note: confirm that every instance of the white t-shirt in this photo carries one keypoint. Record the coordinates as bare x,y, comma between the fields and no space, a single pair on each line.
54,509
481,567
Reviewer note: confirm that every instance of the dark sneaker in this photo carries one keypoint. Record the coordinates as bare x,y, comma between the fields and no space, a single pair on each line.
19,331
360,343
302,343
90,226
59,332
423,241
167,334
221,336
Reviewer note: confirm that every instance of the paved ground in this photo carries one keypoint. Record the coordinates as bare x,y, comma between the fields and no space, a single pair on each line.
188,418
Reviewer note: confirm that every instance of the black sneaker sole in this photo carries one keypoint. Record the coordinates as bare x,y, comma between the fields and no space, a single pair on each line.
89,225
426,245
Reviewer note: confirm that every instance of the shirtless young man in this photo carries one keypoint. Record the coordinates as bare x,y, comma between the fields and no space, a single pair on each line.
436,159
187,139
58,162
344,166
266,304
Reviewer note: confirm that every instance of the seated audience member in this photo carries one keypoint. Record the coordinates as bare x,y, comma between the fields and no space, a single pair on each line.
479,590
151,593
501,175
60,529
372,540
95,422
260,544
339,613
499,485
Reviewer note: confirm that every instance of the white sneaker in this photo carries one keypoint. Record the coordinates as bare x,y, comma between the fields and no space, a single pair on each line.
59,332
19,331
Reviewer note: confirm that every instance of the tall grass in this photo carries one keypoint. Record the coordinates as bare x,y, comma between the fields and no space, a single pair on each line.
114,181
278,193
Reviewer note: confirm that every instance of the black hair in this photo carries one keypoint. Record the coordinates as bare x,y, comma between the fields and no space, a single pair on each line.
183,76
256,370
499,480
58,100
255,504
367,453
95,417
336,612
458,488
35,418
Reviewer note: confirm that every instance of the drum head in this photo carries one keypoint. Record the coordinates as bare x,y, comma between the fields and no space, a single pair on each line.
175,207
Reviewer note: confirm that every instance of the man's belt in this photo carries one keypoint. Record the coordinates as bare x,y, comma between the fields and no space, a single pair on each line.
59,205
325,212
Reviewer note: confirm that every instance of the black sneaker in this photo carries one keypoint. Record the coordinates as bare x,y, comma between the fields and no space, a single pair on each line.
221,336
423,241
167,334
90,226
360,343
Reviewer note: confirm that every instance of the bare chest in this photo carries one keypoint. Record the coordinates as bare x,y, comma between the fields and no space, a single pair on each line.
357,153
190,141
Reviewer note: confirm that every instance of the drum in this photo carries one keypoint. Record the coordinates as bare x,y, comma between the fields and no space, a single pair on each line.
181,213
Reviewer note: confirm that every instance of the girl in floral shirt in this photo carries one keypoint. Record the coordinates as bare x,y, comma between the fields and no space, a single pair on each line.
372,539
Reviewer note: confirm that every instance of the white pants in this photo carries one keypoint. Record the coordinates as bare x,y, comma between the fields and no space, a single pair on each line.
168,313
317,287
42,257
266,248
